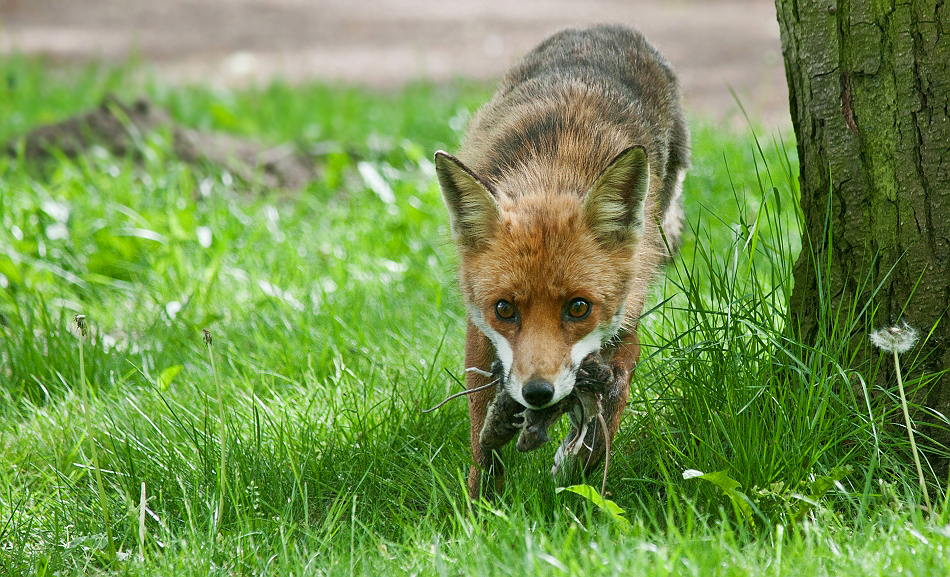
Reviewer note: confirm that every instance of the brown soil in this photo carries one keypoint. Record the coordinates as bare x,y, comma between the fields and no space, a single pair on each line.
713,44
121,129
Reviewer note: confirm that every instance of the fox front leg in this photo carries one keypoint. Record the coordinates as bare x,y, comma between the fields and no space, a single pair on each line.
492,415
503,415
610,379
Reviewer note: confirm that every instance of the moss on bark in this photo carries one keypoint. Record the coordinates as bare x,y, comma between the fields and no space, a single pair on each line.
869,85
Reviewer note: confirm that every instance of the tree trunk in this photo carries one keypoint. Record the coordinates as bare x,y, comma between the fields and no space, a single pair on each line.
869,88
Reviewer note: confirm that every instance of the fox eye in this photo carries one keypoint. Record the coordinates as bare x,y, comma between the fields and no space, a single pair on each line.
578,309
505,310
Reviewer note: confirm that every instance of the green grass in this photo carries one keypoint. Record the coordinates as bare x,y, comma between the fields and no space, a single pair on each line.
336,319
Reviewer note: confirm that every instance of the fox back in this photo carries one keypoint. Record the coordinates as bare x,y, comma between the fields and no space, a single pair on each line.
564,200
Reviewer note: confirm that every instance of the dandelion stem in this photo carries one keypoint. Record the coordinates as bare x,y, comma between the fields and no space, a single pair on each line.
222,466
910,433
81,325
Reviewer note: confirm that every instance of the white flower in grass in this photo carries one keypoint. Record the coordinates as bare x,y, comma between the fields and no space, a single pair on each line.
897,339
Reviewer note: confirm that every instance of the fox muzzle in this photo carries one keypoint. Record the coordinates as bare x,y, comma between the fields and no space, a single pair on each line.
538,392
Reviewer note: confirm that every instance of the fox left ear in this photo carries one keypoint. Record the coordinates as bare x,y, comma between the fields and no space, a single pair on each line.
473,211
614,207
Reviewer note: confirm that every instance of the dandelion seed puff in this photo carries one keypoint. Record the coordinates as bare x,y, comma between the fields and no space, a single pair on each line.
896,339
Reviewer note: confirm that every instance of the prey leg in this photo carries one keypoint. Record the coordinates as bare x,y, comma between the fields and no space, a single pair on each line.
602,388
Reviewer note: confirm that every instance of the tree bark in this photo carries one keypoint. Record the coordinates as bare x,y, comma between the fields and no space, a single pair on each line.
869,89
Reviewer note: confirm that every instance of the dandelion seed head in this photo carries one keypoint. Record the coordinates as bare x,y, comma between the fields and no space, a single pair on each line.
895,339
81,323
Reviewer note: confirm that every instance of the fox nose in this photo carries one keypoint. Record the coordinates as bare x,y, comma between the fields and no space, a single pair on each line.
538,392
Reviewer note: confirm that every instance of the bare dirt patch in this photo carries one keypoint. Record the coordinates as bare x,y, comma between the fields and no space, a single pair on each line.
121,129
714,45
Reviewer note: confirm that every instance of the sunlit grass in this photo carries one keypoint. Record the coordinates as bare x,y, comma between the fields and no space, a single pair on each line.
336,319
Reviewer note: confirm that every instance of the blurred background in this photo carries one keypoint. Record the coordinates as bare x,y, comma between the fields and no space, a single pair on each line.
716,46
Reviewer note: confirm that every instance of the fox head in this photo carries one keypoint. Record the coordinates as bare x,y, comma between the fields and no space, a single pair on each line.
545,274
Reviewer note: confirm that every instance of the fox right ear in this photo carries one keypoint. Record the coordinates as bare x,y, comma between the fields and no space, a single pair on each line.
473,211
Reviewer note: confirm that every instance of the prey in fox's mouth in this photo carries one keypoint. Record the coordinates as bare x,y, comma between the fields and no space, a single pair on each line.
583,406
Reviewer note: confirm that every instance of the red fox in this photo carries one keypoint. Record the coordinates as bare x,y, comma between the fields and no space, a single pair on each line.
564,201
